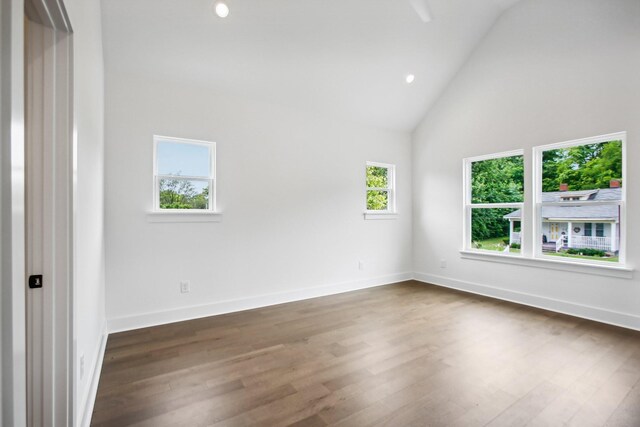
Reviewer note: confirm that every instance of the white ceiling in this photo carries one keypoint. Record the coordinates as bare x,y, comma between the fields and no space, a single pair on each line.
347,58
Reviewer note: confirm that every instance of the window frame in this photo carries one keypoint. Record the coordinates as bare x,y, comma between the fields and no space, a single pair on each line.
589,226
211,180
468,205
538,203
391,189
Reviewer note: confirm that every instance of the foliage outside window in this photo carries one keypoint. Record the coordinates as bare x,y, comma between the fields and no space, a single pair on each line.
583,167
184,174
495,189
380,187
580,199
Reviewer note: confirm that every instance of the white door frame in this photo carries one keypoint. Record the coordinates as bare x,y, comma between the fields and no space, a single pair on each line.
49,212
12,270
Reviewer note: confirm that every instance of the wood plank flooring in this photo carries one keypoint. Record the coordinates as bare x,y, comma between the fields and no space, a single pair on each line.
407,354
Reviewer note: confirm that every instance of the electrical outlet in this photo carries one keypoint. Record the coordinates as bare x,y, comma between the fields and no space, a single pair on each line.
81,366
443,263
360,265
185,286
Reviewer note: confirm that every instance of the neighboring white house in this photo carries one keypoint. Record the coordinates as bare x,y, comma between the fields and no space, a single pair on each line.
587,226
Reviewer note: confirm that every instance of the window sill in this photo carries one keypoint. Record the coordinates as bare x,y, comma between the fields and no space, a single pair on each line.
547,263
380,215
184,216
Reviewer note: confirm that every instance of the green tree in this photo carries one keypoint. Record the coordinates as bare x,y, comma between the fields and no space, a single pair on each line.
495,181
498,180
585,167
182,194
377,200
201,200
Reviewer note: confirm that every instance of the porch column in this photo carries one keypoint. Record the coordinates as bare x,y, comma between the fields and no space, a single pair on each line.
510,232
570,235
614,237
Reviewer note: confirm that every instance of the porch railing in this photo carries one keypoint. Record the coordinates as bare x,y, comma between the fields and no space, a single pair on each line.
590,242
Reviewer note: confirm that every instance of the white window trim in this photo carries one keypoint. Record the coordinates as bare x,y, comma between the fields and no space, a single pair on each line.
184,215
390,212
537,202
468,206
190,215
529,256
380,215
554,263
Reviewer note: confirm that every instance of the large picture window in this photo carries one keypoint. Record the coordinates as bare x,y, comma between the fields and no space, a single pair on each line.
580,199
184,172
494,194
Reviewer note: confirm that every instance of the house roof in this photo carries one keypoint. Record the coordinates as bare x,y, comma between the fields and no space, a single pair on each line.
582,212
603,194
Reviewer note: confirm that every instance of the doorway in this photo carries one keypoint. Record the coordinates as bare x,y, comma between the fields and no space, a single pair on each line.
48,74
554,231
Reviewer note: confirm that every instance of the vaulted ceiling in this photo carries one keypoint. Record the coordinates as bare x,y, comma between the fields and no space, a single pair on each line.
346,58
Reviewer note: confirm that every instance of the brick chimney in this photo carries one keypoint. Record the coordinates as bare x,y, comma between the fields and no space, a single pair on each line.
564,187
614,183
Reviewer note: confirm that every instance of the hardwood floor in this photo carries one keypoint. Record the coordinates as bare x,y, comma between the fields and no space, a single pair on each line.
401,355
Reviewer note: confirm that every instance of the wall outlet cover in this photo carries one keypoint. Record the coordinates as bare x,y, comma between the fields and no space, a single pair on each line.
185,286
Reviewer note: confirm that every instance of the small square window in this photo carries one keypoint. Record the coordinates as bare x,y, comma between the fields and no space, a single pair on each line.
184,172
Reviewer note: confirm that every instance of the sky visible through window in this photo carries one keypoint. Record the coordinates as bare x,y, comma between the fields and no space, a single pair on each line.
183,159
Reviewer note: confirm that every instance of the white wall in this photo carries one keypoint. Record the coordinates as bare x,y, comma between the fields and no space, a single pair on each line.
89,262
291,189
549,71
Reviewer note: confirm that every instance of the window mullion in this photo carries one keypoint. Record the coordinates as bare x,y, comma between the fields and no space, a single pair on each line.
518,205
184,177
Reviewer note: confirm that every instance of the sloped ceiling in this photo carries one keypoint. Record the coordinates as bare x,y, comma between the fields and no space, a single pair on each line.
346,58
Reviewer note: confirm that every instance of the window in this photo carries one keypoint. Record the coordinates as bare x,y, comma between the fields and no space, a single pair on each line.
184,172
587,229
494,194
579,200
380,188
577,220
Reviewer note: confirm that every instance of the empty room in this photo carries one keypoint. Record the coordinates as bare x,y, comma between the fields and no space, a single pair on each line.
320,213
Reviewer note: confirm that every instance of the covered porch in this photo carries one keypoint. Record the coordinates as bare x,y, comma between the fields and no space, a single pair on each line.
600,235
558,235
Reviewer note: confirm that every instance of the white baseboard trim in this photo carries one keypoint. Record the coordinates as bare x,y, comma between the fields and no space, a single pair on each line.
624,320
90,399
121,324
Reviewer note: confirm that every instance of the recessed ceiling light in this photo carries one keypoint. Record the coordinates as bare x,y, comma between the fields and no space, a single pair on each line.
222,10
410,78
